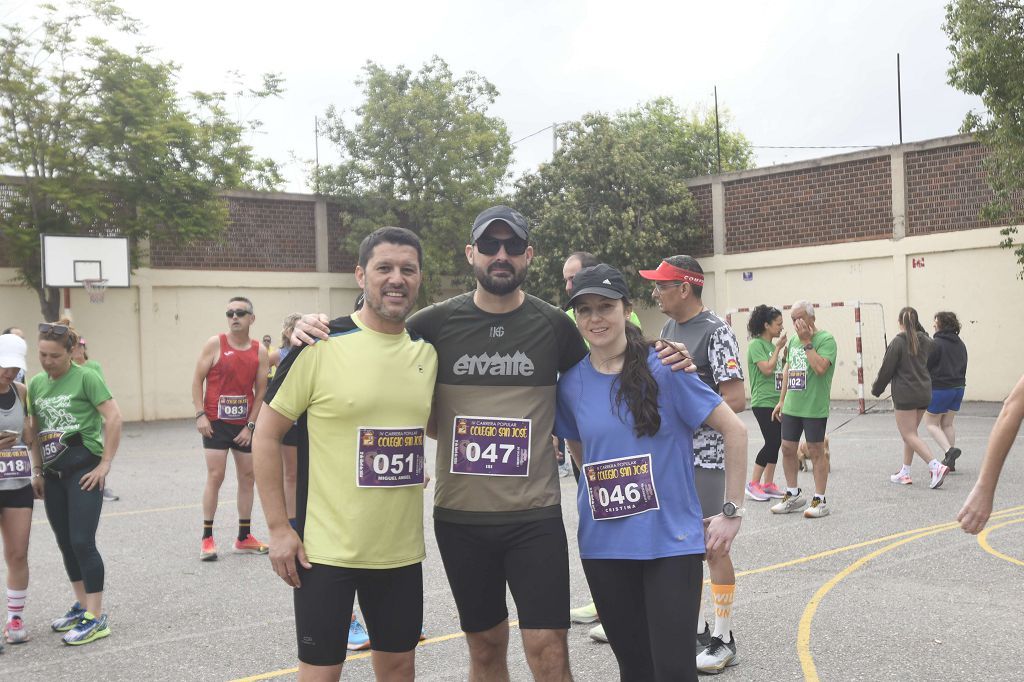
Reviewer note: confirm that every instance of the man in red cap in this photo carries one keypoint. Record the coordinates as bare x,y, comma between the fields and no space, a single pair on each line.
678,284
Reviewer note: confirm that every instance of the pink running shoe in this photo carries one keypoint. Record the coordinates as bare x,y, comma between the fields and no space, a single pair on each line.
15,631
901,478
773,491
755,492
938,476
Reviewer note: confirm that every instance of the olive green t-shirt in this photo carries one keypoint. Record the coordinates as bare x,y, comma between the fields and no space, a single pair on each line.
67,406
809,394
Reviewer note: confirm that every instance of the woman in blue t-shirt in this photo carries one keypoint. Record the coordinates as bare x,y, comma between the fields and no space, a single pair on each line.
629,423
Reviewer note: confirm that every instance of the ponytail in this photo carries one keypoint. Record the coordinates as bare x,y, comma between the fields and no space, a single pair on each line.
636,384
911,325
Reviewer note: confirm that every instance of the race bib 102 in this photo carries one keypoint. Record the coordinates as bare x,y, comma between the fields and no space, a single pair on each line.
621,487
15,463
389,457
232,407
491,446
797,379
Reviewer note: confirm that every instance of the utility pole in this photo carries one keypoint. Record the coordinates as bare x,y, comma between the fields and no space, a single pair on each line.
718,133
899,96
554,140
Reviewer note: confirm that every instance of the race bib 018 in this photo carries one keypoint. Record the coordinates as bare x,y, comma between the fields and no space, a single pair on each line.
621,487
51,446
15,463
232,407
491,446
389,457
797,379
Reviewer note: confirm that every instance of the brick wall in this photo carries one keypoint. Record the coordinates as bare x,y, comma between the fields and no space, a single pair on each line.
946,189
703,243
262,234
339,259
820,205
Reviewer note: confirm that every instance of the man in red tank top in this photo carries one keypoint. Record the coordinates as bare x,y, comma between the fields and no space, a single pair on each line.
234,370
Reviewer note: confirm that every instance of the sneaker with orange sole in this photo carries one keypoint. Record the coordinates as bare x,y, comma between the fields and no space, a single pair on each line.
250,545
208,550
15,631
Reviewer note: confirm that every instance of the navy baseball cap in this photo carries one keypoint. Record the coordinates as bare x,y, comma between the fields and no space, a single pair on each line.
516,220
601,279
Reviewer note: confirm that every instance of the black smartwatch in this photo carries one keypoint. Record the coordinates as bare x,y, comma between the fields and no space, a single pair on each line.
731,511
251,426
809,346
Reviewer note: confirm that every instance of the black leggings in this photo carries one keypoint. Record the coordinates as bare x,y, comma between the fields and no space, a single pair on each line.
649,611
74,515
771,431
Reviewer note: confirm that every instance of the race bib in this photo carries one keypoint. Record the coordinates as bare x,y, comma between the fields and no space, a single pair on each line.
797,379
15,463
51,446
621,487
389,458
778,381
232,407
491,446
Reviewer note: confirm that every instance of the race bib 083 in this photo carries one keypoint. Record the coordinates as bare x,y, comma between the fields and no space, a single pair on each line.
232,407
491,446
389,457
621,487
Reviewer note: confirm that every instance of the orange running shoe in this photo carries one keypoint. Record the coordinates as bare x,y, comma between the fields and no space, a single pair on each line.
250,545
208,550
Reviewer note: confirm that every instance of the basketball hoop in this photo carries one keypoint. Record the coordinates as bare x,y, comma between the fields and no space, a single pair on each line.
96,288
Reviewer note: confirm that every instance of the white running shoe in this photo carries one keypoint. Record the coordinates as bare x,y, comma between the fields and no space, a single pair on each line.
817,509
789,504
717,656
597,634
584,614
938,476
901,478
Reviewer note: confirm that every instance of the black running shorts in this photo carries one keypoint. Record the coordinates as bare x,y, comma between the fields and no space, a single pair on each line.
812,428
223,437
19,498
531,557
391,600
291,436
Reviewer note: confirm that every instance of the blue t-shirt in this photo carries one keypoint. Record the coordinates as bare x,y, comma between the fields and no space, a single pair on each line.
587,413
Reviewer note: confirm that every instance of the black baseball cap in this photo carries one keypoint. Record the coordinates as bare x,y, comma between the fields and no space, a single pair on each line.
601,279
516,220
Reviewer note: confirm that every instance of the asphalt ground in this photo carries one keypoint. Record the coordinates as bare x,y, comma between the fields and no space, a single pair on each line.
887,587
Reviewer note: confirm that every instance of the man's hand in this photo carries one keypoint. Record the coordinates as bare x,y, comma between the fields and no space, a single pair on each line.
204,427
285,549
310,329
976,511
803,331
719,532
674,353
243,438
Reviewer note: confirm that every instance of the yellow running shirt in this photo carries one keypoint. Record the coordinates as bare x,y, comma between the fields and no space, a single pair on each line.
362,399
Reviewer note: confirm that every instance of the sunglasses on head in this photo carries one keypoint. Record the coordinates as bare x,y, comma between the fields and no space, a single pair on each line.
55,329
489,246
234,312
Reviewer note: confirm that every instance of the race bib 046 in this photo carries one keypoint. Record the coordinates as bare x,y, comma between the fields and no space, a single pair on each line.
15,463
621,487
232,407
797,379
51,446
389,457
491,446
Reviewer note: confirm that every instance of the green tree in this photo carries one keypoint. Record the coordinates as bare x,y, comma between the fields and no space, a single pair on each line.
102,144
424,154
617,188
987,43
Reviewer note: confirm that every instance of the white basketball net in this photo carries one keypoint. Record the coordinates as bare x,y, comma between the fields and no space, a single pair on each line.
96,288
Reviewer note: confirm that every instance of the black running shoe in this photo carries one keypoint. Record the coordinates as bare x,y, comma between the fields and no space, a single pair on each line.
717,656
950,458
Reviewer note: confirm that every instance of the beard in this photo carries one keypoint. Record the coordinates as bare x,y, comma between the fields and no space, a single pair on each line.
376,302
500,286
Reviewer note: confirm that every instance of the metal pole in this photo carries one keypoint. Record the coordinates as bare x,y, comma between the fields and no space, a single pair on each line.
899,95
554,140
860,359
718,135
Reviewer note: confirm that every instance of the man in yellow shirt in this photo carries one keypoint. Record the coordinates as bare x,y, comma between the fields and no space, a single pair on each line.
362,399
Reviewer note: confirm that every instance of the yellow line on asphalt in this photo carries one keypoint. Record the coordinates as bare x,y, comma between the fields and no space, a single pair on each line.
154,510
803,639
983,541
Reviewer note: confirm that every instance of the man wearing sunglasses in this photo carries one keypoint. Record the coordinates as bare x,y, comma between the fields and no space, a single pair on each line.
233,368
678,287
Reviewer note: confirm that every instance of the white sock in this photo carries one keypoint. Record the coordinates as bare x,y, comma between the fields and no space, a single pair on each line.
793,491
15,603
933,465
905,469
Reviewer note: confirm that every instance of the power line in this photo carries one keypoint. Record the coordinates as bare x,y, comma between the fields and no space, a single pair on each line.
830,146
533,134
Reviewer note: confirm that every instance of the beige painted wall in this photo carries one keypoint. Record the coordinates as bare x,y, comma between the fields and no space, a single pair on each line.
147,337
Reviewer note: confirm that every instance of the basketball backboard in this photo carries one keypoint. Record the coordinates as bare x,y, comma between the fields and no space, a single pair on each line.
67,261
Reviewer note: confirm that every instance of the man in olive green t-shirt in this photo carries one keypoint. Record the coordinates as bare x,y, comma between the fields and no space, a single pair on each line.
803,408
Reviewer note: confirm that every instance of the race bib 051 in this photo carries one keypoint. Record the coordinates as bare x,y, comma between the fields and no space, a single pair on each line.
389,457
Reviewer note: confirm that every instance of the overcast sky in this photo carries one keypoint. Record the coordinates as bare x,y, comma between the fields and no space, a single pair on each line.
791,72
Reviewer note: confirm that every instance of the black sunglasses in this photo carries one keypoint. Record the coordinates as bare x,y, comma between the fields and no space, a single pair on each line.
234,312
514,246
55,329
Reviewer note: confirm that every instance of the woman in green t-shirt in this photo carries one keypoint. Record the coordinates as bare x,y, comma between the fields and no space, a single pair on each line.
765,361
77,425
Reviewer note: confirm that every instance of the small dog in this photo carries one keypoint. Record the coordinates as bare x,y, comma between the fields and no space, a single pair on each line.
804,457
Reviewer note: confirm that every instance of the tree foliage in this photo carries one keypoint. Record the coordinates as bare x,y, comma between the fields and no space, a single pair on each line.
424,153
987,44
617,188
102,144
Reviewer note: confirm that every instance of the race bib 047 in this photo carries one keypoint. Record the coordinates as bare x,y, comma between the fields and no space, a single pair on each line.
621,487
389,457
15,463
491,446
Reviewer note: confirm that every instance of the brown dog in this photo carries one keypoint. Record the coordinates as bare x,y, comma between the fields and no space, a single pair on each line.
805,459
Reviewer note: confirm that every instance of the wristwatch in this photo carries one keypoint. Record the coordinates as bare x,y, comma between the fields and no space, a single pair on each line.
808,346
251,426
731,511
